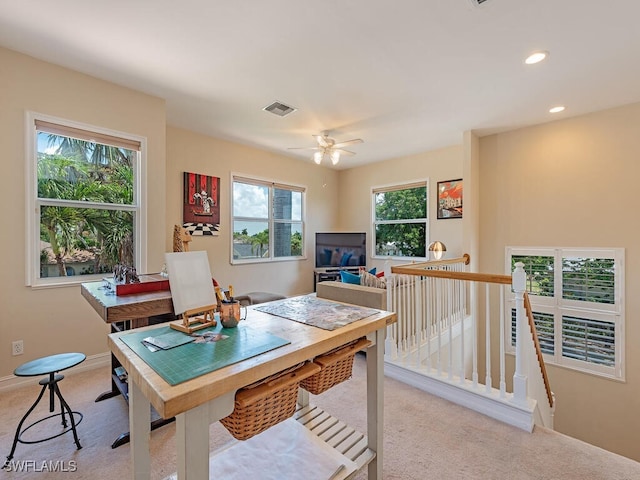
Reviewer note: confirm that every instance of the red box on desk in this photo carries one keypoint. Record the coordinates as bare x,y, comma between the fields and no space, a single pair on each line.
148,283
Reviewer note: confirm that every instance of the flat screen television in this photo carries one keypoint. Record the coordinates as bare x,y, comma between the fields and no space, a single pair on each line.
336,250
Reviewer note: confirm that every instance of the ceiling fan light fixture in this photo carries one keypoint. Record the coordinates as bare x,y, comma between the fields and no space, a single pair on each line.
327,147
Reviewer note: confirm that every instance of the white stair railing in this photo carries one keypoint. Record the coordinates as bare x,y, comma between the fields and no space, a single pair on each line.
437,334
412,298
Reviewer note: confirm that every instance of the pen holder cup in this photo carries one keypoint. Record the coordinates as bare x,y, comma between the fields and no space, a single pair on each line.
230,314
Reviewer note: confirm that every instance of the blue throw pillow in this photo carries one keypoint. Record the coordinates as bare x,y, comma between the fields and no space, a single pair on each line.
373,271
347,277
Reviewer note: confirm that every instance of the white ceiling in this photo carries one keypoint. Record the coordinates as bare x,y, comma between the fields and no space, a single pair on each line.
406,76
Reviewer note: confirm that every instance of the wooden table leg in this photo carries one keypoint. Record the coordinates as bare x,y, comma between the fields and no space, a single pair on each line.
139,428
303,397
192,436
375,402
192,441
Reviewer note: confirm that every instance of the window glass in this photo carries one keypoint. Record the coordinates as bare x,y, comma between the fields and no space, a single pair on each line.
539,271
268,221
544,329
250,201
86,202
588,279
84,240
400,221
588,340
287,204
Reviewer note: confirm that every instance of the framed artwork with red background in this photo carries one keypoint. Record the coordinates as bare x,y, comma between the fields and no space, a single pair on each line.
201,204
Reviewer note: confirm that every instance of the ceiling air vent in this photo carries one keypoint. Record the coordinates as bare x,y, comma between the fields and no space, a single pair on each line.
478,2
279,109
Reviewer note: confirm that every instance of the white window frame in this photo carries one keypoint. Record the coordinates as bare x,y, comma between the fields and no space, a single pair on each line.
271,221
33,204
558,307
374,222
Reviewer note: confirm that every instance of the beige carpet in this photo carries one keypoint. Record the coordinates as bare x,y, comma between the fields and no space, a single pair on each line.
424,438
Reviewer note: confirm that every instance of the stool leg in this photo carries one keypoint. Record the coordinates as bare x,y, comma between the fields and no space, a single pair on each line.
64,405
51,397
53,385
15,439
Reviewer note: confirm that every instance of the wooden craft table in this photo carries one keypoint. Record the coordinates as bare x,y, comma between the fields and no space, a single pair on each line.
205,399
137,307
125,312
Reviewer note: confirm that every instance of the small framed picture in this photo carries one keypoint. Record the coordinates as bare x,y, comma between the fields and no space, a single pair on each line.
450,199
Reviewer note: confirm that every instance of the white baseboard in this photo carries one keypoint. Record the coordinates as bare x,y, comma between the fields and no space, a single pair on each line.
491,405
94,361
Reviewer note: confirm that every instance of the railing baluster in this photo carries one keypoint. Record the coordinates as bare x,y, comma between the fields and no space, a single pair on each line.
430,309
412,315
474,325
409,312
439,304
403,326
487,340
414,306
503,383
391,345
460,321
448,317
420,314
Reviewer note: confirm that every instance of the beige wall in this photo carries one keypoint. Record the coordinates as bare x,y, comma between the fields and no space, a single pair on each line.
192,152
354,211
58,319
573,183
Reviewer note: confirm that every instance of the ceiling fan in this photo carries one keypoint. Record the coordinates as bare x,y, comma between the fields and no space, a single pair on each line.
327,146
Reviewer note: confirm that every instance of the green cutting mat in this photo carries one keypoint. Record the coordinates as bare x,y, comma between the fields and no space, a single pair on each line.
191,360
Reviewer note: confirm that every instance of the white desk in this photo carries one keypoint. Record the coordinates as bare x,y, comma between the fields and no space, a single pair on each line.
197,403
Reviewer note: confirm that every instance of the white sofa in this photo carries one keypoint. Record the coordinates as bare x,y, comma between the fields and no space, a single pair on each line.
354,294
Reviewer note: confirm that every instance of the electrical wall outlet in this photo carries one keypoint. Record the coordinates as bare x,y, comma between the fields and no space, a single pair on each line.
17,348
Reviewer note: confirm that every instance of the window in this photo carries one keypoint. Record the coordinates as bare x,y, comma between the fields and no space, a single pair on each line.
576,299
268,221
400,220
83,198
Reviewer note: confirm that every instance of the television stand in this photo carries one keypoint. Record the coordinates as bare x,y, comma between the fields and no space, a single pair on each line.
330,274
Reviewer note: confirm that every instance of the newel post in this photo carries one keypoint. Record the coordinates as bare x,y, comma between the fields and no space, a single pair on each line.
519,283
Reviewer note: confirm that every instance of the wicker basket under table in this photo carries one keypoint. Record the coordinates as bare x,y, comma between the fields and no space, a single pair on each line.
267,402
336,366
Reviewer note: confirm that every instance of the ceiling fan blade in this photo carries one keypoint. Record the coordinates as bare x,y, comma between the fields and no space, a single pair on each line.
347,143
304,148
343,151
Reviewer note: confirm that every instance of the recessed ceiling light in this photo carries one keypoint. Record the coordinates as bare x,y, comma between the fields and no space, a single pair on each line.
557,109
536,57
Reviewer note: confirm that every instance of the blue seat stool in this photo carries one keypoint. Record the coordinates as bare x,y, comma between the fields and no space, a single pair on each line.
49,366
